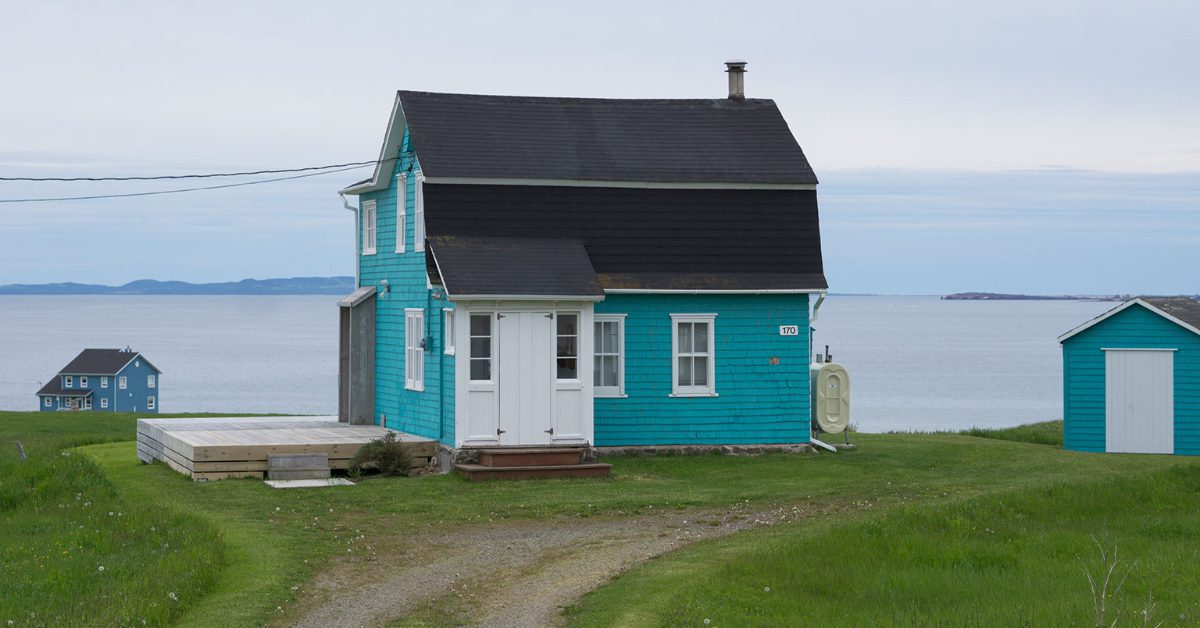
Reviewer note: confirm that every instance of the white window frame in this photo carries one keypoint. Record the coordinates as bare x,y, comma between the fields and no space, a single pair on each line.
86,403
491,356
103,403
122,383
49,403
370,227
619,389
709,390
83,381
414,352
448,330
401,211
419,212
68,381
578,345
150,403
104,382
150,381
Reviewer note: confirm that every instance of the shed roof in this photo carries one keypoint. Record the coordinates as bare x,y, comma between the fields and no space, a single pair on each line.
101,362
54,387
690,141
1183,311
487,267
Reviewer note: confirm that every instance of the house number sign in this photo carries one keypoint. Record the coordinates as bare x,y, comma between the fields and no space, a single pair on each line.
789,330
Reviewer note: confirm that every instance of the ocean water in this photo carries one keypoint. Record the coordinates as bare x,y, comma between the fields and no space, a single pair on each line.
916,363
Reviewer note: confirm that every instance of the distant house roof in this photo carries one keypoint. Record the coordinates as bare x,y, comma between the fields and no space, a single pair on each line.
54,387
1183,311
101,362
486,267
697,141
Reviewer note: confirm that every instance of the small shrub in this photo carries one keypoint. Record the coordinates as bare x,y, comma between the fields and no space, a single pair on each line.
386,456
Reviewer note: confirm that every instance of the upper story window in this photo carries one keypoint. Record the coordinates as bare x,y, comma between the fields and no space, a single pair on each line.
401,210
414,349
122,383
481,347
68,382
419,212
567,352
83,381
368,227
150,381
693,355
608,349
104,382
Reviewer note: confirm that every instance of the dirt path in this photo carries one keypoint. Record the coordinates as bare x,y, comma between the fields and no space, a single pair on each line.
511,573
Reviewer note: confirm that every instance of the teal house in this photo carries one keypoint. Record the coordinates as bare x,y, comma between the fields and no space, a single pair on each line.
584,271
1131,379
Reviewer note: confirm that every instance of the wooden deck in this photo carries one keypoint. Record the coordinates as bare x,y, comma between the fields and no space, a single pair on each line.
228,447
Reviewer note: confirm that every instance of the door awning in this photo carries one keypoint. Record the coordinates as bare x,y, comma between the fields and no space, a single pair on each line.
515,268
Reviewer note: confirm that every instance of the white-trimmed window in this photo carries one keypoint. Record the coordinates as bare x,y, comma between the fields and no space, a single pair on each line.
104,382
103,402
401,210
693,355
87,403
48,402
83,381
414,349
68,382
368,227
448,331
567,346
419,212
122,383
481,347
150,381
149,403
608,350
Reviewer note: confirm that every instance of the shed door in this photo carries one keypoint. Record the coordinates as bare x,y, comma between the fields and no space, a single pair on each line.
526,376
1139,401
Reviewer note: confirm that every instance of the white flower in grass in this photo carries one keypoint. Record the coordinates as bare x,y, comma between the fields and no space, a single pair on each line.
707,621
174,598
100,568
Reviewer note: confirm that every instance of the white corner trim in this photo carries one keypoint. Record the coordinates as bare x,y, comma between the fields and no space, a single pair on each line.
620,184
1121,308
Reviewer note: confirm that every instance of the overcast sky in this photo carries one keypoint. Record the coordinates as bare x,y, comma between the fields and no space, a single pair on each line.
1021,146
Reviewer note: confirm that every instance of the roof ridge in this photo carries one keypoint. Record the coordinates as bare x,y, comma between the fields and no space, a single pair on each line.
591,99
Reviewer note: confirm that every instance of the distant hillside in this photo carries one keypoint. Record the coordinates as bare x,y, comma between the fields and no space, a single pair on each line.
290,285
997,296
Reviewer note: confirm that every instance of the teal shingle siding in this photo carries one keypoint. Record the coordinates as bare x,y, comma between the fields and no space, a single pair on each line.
757,402
1084,379
428,413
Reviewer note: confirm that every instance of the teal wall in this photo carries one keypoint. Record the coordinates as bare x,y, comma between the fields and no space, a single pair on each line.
757,402
429,413
1083,376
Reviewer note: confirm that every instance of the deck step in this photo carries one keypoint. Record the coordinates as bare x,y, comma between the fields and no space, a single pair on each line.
477,472
530,456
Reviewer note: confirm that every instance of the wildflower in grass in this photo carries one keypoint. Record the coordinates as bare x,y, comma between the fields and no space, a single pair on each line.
100,568
767,589
174,598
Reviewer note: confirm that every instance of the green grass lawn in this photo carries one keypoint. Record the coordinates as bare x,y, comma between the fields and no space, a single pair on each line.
253,548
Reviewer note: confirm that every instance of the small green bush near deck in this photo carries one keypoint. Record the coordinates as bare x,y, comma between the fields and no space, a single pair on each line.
386,456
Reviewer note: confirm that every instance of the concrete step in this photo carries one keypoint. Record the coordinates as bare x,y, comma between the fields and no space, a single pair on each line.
284,461
529,456
478,472
299,473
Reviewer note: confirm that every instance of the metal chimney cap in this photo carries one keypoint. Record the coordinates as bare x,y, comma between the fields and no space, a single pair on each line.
735,65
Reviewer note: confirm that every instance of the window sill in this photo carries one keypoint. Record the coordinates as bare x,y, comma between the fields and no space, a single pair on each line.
604,395
368,252
449,352
694,394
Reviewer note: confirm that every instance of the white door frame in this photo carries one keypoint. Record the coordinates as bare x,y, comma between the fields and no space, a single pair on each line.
1139,401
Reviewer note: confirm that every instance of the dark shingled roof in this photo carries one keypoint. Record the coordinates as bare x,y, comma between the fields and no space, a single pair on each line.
1185,309
54,387
601,139
99,362
475,266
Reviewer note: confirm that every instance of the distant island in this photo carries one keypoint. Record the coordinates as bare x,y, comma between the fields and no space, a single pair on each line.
285,286
998,296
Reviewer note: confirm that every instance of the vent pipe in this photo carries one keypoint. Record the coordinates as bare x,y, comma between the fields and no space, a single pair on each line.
736,69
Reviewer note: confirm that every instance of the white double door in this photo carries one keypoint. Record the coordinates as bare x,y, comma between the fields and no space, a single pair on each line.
526,382
1139,401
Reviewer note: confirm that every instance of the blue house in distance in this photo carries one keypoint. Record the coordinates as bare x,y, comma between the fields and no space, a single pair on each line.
106,380
584,272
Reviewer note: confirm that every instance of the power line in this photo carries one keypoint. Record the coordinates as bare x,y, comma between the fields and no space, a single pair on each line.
178,190
200,176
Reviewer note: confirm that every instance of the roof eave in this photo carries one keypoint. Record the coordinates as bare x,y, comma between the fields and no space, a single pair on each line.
1121,308
391,146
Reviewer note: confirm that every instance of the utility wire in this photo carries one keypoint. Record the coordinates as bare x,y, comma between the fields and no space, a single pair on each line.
201,176
178,190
